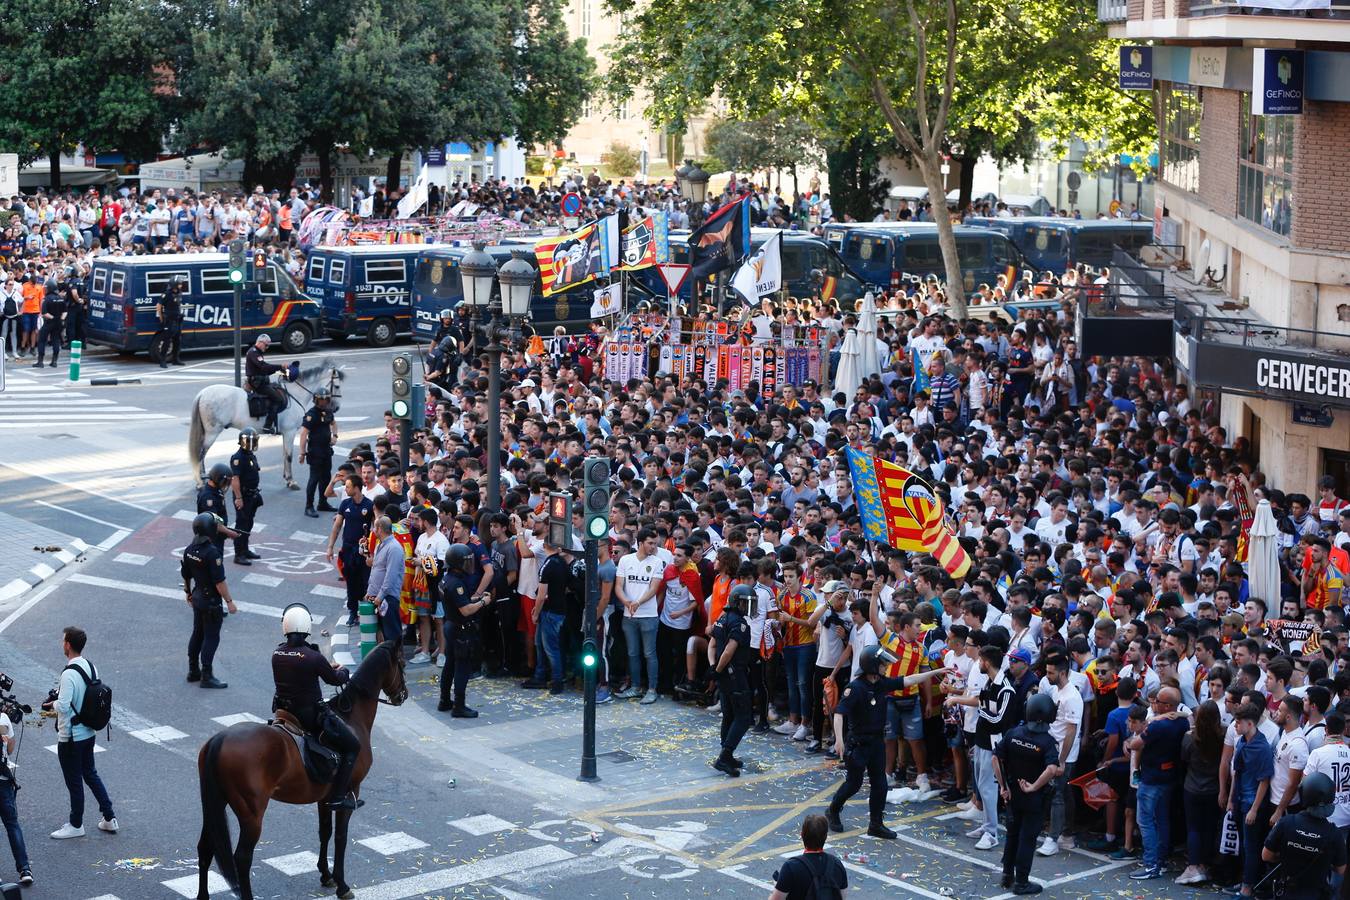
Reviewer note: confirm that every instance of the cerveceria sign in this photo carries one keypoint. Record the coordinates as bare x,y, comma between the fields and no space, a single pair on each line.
1278,374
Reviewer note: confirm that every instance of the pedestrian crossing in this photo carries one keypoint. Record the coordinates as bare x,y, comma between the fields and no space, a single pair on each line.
123,368
29,403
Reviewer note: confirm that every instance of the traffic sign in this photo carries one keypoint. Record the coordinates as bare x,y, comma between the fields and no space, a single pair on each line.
571,203
674,275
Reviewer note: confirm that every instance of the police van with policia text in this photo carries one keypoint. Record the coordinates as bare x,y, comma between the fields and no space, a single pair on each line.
124,290
365,290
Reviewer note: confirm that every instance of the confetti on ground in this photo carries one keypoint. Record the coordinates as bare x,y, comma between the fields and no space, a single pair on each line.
135,863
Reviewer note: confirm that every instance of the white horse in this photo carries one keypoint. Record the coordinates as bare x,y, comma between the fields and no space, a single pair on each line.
222,406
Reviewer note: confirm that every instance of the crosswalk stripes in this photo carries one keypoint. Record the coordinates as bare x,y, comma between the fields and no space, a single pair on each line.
120,368
27,404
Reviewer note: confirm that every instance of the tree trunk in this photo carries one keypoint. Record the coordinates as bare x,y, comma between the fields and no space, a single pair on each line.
929,165
325,154
391,173
967,186
55,161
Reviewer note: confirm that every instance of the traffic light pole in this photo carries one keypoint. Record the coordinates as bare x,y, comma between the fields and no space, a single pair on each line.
404,439
238,335
589,672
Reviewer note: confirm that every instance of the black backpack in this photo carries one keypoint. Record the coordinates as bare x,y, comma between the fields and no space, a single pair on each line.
820,888
96,709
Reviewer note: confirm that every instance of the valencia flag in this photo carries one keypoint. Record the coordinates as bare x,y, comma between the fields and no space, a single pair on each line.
899,508
722,241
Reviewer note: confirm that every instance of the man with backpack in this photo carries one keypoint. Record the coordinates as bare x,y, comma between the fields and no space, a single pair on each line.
82,704
815,874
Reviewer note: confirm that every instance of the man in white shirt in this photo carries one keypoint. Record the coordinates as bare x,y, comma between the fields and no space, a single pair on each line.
1054,528
636,584
1332,759
1065,728
1291,757
428,554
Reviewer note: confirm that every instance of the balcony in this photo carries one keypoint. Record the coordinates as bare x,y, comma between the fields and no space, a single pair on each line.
1339,9
1222,20
1112,10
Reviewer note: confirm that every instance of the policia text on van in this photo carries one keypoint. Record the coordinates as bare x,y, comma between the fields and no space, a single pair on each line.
123,293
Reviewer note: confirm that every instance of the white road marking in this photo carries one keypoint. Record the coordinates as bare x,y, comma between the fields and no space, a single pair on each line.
893,882
42,571
735,872
80,515
235,719
295,863
159,734
257,527
481,825
270,581
97,748
338,639
7,592
309,537
187,885
113,539
350,418
394,842
132,559
184,515
175,594
105,897
327,590
954,854
1075,876
447,879
343,658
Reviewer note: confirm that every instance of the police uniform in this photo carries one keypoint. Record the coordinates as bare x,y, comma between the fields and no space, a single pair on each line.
733,683
318,425
297,669
863,705
462,636
259,371
202,569
1023,755
171,324
244,466
212,499
1309,848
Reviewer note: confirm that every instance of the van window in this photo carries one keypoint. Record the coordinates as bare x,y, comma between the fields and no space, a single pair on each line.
385,271
216,281
1095,246
100,280
973,253
316,269
276,283
868,249
337,271
922,254
156,283
1002,251
794,263
117,284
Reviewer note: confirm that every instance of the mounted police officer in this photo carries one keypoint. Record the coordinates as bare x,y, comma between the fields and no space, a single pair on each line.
730,654
169,311
297,669
259,373
864,703
318,432
1307,847
211,499
247,497
203,574
461,614
1026,760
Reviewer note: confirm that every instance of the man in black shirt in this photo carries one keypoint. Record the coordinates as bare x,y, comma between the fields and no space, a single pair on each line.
1025,761
813,874
52,320
318,431
550,608
1306,845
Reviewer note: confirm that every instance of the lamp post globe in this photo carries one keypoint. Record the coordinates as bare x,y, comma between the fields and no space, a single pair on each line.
476,272
517,285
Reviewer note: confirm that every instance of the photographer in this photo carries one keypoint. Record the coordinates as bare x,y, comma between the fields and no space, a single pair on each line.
9,812
75,742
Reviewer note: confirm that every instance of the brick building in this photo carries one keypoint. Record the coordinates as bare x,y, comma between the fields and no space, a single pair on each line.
1254,206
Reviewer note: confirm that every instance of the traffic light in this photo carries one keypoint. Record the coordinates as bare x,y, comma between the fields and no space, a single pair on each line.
560,520
589,656
236,262
401,406
259,272
595,498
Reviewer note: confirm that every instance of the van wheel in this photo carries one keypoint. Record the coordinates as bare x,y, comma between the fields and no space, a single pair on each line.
159,346
296,337
381,333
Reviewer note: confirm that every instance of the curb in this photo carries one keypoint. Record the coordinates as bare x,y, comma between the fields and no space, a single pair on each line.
43,570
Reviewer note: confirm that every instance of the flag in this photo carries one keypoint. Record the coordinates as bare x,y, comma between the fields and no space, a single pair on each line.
899,508
645,242
571,259
828,288
921,379
762,273
608,301
722,240
1246,513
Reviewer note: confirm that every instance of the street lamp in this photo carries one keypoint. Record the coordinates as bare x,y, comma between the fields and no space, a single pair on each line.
694,188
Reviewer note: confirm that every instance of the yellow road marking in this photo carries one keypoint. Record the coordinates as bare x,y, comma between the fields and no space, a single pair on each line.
703,790
796,810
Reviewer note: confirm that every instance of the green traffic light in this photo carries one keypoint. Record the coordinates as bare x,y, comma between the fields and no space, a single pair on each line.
588,660
236,276
598,526
400,409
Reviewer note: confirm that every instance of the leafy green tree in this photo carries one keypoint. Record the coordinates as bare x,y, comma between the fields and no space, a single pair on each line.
622,160
769,142
857,189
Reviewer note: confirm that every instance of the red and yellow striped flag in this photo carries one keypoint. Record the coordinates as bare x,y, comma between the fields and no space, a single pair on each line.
893,498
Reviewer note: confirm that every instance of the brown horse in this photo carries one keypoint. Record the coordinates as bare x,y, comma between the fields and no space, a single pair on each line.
249,764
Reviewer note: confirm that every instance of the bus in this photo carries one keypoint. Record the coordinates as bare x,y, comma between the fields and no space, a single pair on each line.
886,254
1057,244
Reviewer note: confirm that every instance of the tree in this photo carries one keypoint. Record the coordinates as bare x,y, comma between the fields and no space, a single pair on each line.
857,189
769,142
622,160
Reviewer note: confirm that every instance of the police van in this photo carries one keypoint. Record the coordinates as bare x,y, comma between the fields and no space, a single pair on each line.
364,291
886,254
124,290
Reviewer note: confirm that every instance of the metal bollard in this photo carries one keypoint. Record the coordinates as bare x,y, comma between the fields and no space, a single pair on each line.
370,629
75,349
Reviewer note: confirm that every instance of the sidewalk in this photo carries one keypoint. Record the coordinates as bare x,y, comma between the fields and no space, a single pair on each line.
32,554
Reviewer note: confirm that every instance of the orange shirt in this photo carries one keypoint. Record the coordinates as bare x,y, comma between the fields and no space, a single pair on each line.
721,591
32,297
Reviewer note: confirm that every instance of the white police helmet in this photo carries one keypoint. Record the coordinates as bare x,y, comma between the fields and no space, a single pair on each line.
296,620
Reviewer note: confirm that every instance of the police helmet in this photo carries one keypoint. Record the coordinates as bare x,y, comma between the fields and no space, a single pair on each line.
873,658
204,525
457,557
1318,795
295,619
446,315
180,282
248,439
741,597
1041,712
323,394
219,474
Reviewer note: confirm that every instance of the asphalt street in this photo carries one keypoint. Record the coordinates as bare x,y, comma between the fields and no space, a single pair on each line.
454,808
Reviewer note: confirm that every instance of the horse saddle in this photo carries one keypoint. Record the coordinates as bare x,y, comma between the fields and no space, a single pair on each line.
321,762
260,404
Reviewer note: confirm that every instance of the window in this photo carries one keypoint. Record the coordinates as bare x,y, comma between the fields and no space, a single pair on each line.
1002,252
1182,107
585,18
100,280
972,252
276,282
216,281
385,271
337,271
156,283
586,111
1265,168
117,284
794,263
316,269
1047,241
922,255
621,111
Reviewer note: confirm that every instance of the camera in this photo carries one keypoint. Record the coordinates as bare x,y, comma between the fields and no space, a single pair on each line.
9,704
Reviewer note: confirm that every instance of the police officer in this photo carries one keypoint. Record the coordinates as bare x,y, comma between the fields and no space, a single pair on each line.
318,433
461,614
203,574
1306,846
247,497
447,329
864,704
1026,760
259,371
443,363
730,654
297,669
211,499
169,311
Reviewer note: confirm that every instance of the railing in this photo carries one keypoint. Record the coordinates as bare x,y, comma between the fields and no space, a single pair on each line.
1112,10
1194,319
1134,279
1340,9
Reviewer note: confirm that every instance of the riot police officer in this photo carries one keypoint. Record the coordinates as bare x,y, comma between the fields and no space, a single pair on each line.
169,311
297,669
1306,846
259,373
318,432
447,328
864,704
211,499
1026,760
247,497
204,584
730,655
461,614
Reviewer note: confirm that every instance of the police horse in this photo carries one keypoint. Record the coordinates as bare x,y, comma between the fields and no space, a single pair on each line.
222,406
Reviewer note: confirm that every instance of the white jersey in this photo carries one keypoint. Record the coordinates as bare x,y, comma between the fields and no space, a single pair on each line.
1333,761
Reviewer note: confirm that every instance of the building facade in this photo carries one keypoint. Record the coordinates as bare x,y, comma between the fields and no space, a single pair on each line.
1253,108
